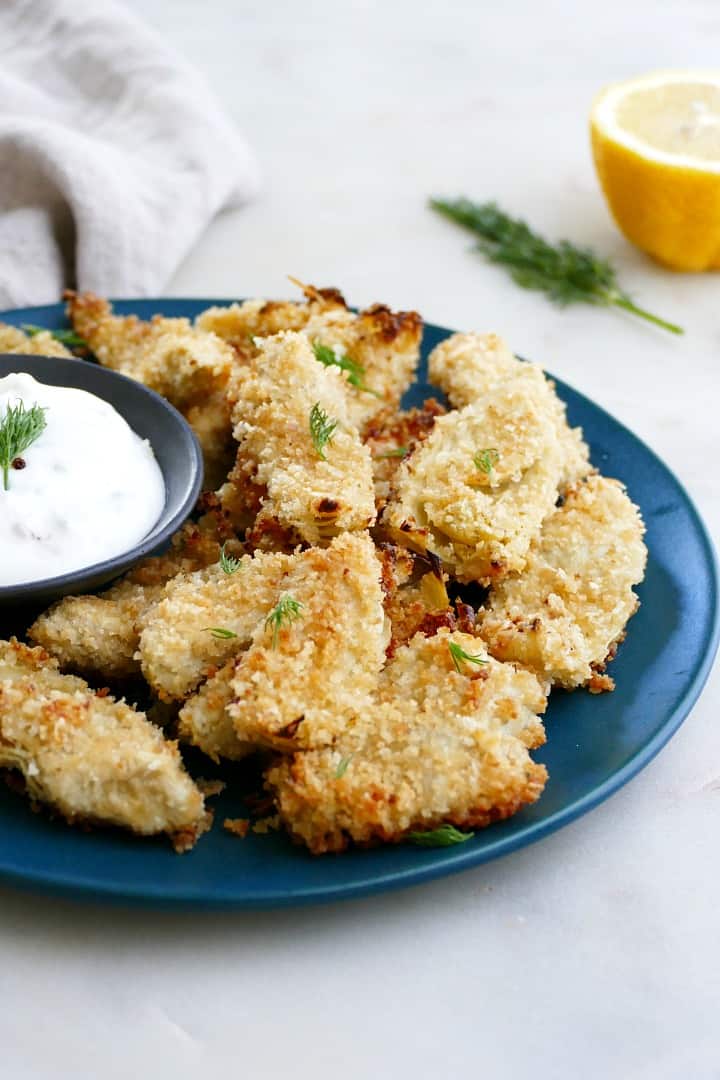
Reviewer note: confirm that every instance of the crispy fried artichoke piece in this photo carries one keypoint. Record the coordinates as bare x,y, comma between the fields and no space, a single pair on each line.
466,367
476,491
170,356
210,420
239,324
89,757
13,340
383,345
285,486
563,617
205,722
392,437
439,746
413,596
314,663
204,619
98,636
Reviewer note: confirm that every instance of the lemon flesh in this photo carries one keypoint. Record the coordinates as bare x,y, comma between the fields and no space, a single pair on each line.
656,144
682,118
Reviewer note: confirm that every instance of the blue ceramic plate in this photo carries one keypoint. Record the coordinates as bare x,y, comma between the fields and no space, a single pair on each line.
595,744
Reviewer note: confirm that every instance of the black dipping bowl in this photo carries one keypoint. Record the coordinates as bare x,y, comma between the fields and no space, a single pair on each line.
176,450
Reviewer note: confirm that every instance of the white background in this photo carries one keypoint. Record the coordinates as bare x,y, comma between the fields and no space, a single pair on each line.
594,953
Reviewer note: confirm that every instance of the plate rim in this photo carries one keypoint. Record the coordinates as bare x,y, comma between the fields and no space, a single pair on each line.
79,887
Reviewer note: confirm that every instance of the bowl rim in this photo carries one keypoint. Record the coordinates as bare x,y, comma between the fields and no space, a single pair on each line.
164,527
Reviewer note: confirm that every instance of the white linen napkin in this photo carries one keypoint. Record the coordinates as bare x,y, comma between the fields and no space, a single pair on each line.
114,155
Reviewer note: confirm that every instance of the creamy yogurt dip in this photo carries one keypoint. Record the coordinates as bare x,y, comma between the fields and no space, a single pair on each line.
87,489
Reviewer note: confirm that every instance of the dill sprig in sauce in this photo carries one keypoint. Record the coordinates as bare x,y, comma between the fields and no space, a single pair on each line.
19,429
322,429
287,610
566,273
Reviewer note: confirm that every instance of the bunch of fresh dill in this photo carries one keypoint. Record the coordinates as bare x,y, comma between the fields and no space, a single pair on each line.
564,272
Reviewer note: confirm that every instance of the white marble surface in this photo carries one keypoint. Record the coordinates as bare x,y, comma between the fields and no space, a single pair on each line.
593,953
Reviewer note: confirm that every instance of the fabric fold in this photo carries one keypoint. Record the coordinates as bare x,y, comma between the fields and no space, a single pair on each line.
114,154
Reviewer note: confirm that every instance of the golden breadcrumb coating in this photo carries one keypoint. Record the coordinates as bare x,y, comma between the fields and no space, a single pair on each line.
385,344
388,707
468,366
189,367
416,598
411,605
13,340
210,420
177,646
392,437
205,722
98,635
437,747
302,679
480,521
88,756
238,324
170,356
280,475
563,616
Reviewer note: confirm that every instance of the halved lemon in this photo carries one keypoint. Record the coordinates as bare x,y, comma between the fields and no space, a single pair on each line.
656,143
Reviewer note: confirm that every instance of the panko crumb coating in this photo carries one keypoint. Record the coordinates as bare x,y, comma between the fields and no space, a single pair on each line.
205,722
14,340
301,681
281,486
89,757
564,615
205,618
385,344
468,366
98,635
392,437
438,747
239,324
374,727
480,522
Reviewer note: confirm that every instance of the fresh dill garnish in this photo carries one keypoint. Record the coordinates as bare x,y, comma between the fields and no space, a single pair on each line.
342,767
322,429
444,836
398,452
228,563
66,337
285,611
221,632
19,429
486,460
565,272
459,656
355,372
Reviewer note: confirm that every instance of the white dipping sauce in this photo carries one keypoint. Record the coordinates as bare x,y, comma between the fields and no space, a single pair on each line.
90,490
